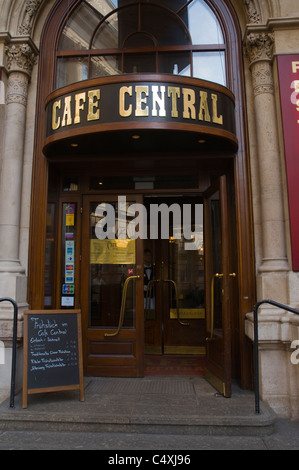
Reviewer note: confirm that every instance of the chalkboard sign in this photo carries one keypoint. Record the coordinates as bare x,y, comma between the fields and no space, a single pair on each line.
52,352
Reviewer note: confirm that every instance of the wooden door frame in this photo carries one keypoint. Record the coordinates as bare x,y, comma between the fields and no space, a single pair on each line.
219,374
131,366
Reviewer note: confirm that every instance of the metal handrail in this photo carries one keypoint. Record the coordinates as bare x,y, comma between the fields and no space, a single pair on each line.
255,345
14,350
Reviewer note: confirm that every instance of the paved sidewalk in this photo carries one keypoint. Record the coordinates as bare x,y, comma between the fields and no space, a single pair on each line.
153,413
284,437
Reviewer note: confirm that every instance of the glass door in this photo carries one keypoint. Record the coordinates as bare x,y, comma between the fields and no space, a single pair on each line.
111,290
174,297
218,279
184,311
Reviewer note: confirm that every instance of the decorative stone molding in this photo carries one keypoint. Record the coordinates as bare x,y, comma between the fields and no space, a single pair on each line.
259,46
17,88
20,57
31,9
262,78
253,15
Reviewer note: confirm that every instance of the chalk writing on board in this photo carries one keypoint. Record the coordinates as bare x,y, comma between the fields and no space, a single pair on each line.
53,346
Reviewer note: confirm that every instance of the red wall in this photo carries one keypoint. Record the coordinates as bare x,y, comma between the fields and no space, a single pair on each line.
288,73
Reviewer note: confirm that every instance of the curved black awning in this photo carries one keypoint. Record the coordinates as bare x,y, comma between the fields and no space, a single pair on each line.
179,111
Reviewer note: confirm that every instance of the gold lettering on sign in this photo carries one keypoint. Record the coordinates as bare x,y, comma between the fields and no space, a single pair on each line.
67,113
204,108
80,99
160,100
93,105
124,112
216,119
189,103
174,93
56,120
141,100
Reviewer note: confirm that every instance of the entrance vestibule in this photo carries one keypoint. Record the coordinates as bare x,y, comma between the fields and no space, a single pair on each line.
128,312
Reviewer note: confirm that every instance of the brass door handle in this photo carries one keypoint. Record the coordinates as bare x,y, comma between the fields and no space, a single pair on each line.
123,305
177,301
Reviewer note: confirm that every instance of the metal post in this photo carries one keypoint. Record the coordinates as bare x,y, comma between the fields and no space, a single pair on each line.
14,350
256,359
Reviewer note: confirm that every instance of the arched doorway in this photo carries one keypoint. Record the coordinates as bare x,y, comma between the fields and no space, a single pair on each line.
148,151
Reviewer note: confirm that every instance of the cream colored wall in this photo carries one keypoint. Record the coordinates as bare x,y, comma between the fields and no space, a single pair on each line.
288,8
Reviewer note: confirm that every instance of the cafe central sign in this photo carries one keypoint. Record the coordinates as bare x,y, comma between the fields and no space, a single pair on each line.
114,103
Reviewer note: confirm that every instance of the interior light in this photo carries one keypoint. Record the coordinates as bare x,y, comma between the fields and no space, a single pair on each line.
135,137
201,141
74,145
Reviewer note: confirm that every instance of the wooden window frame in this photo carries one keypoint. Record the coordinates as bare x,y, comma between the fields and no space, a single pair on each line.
122,51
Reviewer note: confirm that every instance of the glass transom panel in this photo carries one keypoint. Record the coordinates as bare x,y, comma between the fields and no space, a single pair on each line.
178,36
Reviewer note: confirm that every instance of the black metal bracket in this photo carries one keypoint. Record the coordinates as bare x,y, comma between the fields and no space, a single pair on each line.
14,349
255,345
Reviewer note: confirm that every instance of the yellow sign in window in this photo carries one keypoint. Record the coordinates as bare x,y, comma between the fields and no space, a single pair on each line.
112,251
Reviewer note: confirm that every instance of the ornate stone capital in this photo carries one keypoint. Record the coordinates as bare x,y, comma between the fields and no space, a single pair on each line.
259,46
20,57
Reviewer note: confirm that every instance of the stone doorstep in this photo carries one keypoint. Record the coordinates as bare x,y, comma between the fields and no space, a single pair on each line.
141,407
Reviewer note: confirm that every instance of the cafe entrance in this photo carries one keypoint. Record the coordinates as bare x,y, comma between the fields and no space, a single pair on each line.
151,268
144,107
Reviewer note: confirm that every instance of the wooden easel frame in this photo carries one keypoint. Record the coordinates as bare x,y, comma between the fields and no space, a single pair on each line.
80,385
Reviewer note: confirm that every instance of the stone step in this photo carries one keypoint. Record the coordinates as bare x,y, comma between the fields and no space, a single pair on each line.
174,405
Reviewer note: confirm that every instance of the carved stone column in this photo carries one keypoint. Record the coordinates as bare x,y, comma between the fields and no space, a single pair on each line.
20,60
259,48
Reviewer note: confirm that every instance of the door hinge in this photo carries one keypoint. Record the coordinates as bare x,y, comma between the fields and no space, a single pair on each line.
81,210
